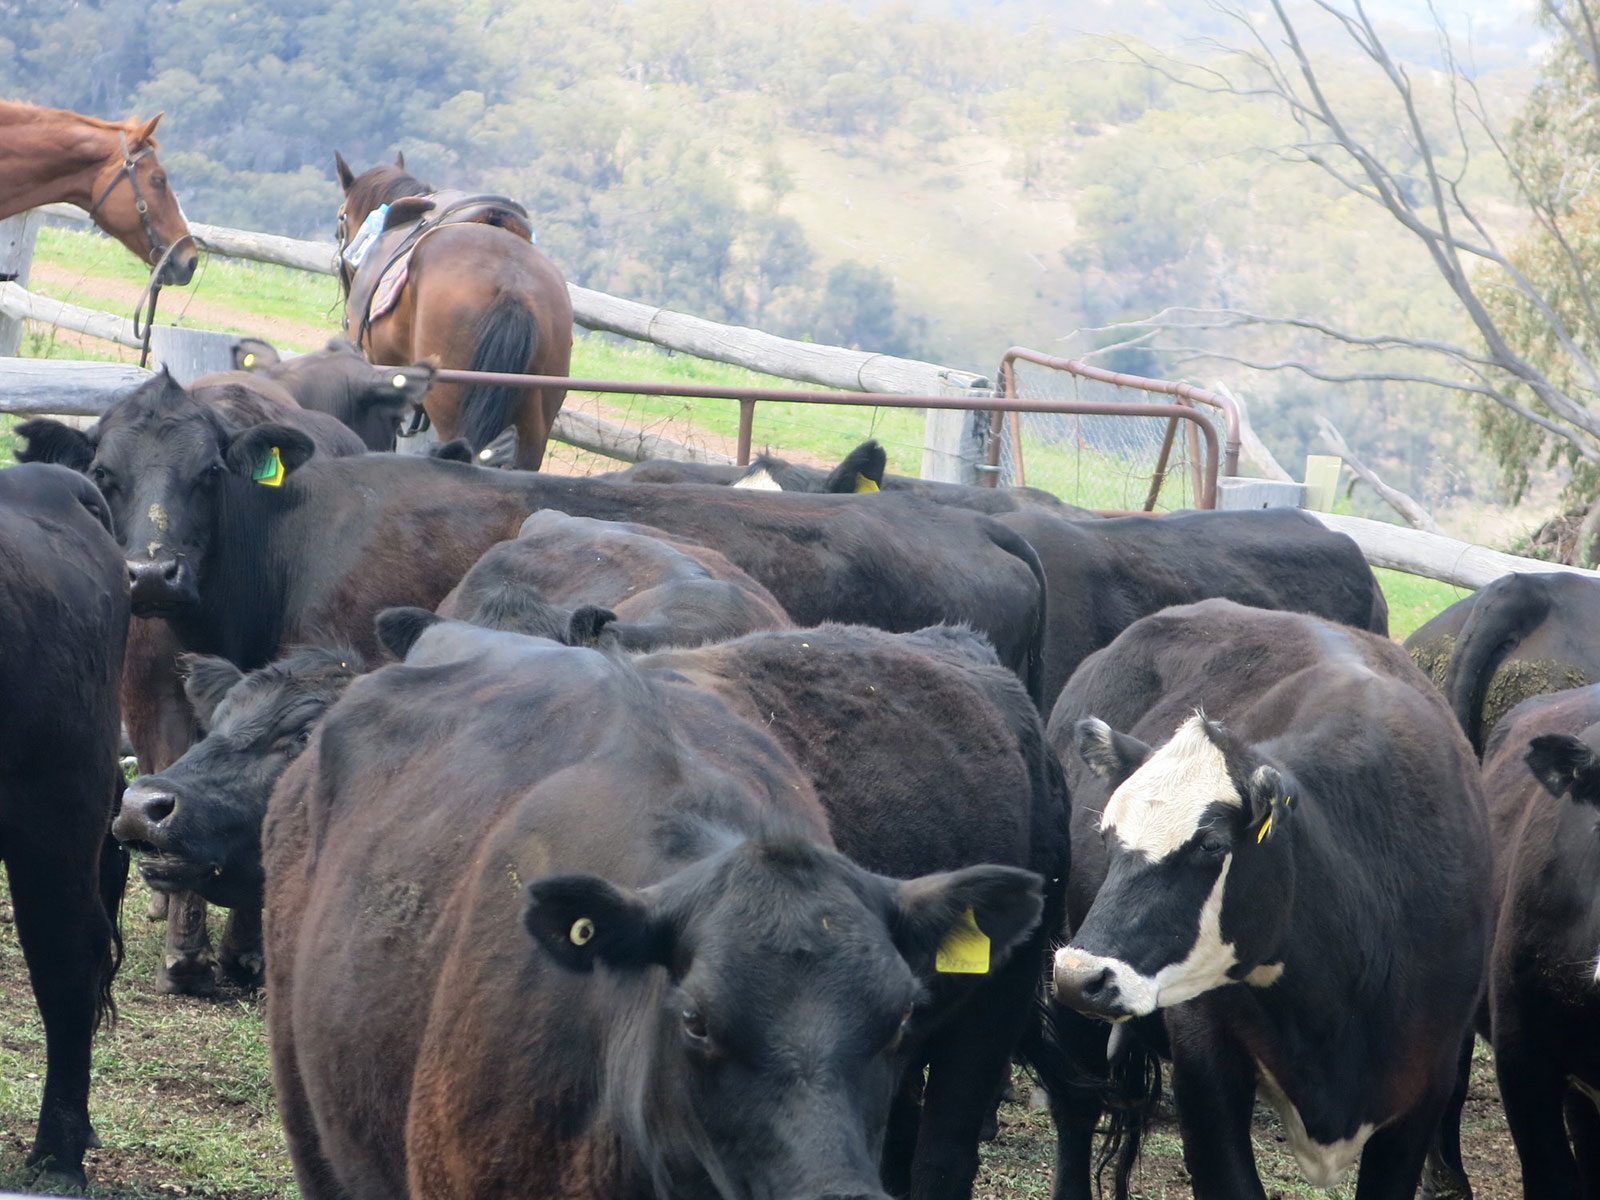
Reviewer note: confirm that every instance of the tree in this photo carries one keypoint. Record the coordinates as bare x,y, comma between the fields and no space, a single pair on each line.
1525,350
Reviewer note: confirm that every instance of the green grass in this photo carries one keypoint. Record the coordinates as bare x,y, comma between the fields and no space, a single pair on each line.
1413,600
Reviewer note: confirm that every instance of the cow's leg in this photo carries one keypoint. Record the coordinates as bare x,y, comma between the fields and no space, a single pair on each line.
1445,1178
966,1064
1583,1122
1076,1109
240,956
66,941
1534,1088
1214,1085
1391,1164
187,964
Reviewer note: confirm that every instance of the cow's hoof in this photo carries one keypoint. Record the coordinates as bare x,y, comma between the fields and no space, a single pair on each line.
1440,1183
247,969
156,910
187,977
51,1177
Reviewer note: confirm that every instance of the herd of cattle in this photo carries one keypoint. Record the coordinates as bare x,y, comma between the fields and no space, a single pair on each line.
694,831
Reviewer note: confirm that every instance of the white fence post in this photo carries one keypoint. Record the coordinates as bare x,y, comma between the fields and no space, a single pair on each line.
954,439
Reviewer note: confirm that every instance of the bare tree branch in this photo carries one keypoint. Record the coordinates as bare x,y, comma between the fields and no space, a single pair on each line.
1415,515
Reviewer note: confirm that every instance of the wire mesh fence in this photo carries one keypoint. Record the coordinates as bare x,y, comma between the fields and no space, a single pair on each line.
1108,462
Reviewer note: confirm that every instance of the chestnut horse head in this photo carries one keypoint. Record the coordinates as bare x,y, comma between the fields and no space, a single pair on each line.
363,193
135,204
108,168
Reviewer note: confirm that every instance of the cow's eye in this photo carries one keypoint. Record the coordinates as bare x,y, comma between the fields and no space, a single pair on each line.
100,476
694,1027
1215,844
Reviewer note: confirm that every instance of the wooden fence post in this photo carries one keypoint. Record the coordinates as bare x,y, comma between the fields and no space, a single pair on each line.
17,235
953,440
191,353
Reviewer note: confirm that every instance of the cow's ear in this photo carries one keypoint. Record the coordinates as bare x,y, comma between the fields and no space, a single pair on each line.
456,450
267,453
399,628
582,919
1111,755
965,922
1563,763
49,441
347,177
1269,799
206,680
587,623
405,385
251,354
400,159
861,471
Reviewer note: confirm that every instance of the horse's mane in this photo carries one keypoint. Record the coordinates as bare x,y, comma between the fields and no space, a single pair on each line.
129,125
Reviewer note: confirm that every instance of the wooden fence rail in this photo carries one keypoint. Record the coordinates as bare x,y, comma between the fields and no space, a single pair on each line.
829,366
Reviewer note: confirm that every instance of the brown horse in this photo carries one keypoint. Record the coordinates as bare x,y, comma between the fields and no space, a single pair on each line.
475,296
108,168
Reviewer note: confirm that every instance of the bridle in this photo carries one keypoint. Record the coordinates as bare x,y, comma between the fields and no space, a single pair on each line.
129,171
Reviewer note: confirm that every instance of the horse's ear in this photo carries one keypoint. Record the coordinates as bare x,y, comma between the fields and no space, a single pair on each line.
400,159
347,177
145,132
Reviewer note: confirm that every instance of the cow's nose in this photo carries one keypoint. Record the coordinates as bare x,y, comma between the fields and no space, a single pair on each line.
144,808
1088,985
164,571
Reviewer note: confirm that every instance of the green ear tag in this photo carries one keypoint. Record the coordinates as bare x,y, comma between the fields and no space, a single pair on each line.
270,473
965,949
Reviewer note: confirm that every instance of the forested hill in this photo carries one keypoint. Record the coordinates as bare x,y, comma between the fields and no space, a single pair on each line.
862,173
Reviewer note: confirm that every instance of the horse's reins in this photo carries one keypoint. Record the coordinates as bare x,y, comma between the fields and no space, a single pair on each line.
159,255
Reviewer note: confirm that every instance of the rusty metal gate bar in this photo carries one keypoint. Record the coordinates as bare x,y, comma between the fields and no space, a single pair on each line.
749,397
1187,395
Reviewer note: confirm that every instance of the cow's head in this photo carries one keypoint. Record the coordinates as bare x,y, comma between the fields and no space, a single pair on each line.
372,400
773,986
1200,877
167,466
198,823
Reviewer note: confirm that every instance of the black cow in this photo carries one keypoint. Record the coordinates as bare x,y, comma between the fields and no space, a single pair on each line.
575,579
623,960
861,471
243,399
63,625
1521,636
1294,882
197,825
949,770
245,546
1542,776
340,381
1105,574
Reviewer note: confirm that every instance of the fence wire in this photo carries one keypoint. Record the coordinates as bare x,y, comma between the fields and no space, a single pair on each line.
1095,461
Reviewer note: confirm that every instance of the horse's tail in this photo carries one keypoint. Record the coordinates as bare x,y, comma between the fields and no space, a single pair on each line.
507,338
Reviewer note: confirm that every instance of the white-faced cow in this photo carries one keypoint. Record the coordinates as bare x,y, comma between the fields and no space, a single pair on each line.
1290,872
623,960
1542,776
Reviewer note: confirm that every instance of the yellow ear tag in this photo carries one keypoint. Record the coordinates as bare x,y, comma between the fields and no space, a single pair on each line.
249,361
582,932
270,473
965,949
1266,828
863,484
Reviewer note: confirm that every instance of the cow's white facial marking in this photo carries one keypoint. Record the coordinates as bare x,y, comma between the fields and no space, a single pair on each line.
1324,1164
158,517
1158,808
759,481
1205,967
1265,975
